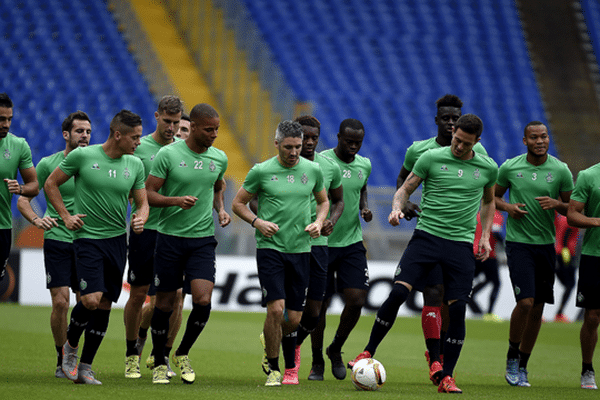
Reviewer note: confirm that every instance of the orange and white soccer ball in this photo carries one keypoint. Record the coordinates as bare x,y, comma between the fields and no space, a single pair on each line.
368,374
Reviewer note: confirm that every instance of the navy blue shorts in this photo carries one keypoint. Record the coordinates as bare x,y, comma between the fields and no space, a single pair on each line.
588,287
283,276
317,283
178,257
347,269
5,243
426,251
61,264
433,278
531,268
141,257
101,264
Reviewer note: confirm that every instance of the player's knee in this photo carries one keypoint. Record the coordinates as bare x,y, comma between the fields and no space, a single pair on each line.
356,298
90,302
525,305
60,304
433,295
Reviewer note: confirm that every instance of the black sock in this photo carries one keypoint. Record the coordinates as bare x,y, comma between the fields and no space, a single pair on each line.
195,324
288,346
273,363
317,353
523,359
94,334
442,340
131,349
159,327
433,347
586,367
59,355
307,325
386,316
455,336
513,350
80,316
143,333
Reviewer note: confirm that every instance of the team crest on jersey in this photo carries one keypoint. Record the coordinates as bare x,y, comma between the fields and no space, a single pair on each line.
274,178
6,154
212,166
126,173
444,168
549,177
183,164
304,179
476,174
95,166
360,174
519,174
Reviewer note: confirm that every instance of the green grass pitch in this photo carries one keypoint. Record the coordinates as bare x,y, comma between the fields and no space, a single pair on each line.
227,356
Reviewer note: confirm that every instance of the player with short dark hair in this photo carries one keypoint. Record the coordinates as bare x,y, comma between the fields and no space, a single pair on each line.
348,272
284,228
186,183
59,252
107,174
457,180
184,127
16,157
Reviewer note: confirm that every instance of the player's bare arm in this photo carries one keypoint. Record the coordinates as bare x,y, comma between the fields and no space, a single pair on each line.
30,185
24,205
488,208
411,210
515,210
576,217
141,215
155,199
239,206
401,198
57,178
219,204
561,205
365,212
314,229
336,207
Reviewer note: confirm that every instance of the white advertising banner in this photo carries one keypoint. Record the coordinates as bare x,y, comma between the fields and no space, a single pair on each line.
237,289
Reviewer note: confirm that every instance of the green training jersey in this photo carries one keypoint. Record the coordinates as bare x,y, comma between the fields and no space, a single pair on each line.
525,182
354,177
102,187
146,152
587,191
419,147
67,191
16,155
452,192
187,173
284,199
332,179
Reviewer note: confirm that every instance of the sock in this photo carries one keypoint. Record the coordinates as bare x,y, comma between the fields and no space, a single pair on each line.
195,324
386,316
307,325
442,340
431,322
159,327
94,334
586,367
523,359
288,346
143,333
513,350
273,363
59,355
317,353
80,316
131,349
455,336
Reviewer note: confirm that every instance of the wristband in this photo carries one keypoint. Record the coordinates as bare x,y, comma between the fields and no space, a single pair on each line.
34,218
253,221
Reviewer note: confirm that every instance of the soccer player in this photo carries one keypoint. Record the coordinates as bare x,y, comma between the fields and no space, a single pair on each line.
319,254
184,127
186,182
59,254
16,157
141,247
284,228
456,181
347,272
106,175
449,110
538,185
584,212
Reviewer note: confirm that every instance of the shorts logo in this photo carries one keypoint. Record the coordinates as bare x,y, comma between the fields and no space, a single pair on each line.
304,179
476,174
517,290
132,276
48,278
82,285
398,269
549,177
156,281
264,293
6,154
580,297
126,173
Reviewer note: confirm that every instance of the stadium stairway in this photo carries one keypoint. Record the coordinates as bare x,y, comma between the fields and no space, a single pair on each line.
190,84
